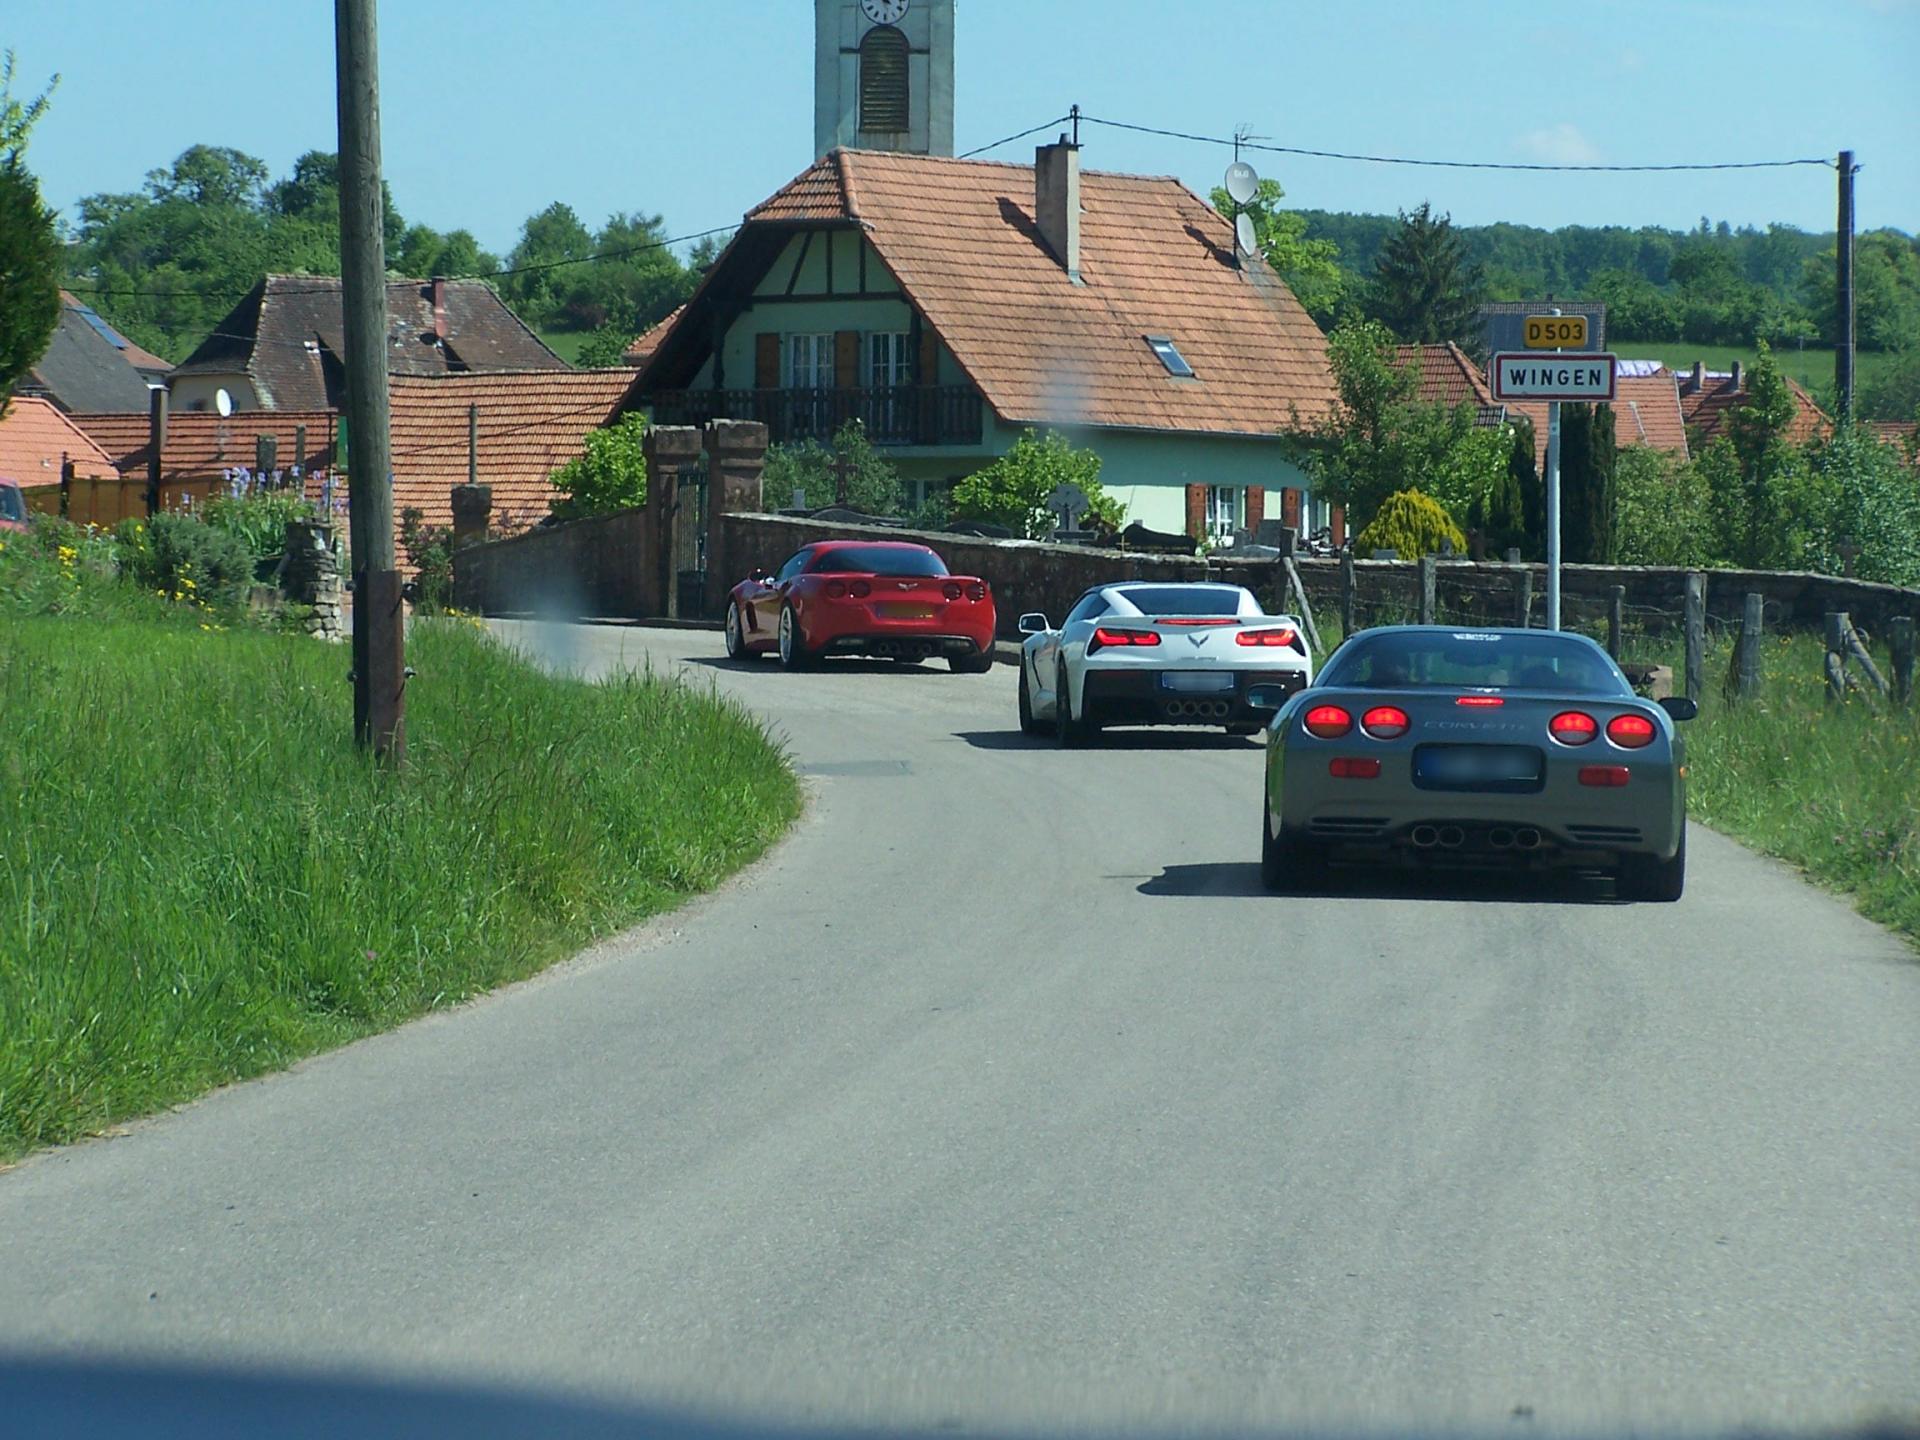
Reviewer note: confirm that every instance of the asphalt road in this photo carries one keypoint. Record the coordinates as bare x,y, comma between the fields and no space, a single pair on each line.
1001,1098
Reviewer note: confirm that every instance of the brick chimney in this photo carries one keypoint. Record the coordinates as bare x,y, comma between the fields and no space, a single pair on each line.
440,309
1734,388
1056,202
1699,376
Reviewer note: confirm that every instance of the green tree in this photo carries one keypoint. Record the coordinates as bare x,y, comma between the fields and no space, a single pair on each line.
1893,393
555,239
610,475
1587,460
18,117
1865,495
1758,481
604,349
1424,289
29,274
1886,291
1013,490
1310,267
1410,524
1637,309
873,484
1352,456
1663,514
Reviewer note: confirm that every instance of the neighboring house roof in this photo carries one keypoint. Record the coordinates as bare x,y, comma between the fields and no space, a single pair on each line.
641,350
287,336
202,445
530,424
960,238
88,365
1708,404
35,438
1903,435
1447,374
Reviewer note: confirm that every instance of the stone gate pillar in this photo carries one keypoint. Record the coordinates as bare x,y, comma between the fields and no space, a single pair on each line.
672,452
736,461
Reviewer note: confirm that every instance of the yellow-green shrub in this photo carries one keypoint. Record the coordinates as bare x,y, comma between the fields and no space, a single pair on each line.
1410,524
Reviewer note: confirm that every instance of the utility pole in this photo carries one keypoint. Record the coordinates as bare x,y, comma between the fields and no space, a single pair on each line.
1843,290
1553,512
379,657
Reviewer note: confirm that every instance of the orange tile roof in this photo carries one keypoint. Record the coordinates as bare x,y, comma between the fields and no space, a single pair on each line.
1707,408
960,238
1447,374
202,445
531,422
1903,435
641,350
35,437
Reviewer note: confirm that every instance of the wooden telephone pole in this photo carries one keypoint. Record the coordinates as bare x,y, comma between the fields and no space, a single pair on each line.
379,654
1843,289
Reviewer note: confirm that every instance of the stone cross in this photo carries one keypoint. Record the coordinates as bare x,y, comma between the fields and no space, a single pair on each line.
1848,550
843,470
1069,502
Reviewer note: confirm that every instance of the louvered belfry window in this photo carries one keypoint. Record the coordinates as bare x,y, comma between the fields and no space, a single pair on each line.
883,80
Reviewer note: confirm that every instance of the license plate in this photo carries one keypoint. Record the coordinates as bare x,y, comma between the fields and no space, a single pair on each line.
900,610
1203,682
1509,768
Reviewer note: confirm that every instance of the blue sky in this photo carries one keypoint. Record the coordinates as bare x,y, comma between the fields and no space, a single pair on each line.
697,109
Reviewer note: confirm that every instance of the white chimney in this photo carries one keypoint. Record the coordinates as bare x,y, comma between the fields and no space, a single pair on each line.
1056,202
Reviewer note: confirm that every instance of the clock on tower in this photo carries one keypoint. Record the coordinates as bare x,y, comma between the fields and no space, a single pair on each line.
883,75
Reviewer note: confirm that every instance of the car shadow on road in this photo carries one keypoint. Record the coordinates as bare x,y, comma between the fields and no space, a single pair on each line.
767,665
1013,739
1363,883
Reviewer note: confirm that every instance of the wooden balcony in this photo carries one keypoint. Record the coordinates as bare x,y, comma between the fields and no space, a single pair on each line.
892,415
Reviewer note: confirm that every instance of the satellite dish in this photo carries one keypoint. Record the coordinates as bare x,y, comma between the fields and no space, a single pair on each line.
223,402
1243,232
1243,182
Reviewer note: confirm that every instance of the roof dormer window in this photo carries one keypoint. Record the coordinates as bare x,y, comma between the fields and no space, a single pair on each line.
1170,356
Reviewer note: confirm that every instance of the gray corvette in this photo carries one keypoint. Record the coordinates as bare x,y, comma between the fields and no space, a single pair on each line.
1512,747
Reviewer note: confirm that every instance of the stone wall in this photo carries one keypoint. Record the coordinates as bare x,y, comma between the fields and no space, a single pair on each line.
598,567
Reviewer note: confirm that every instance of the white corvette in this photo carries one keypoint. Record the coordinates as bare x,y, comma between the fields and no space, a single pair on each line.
1143,652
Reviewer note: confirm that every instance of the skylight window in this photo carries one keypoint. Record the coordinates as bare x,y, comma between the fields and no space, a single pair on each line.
105,330
1170,356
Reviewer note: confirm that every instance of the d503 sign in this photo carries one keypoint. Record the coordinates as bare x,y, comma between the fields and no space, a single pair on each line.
1555,332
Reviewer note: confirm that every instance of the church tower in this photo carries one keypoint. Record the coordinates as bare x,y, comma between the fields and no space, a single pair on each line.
883,75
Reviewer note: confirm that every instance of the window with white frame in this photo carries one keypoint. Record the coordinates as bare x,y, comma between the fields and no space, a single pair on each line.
810,361
888,361
1226,511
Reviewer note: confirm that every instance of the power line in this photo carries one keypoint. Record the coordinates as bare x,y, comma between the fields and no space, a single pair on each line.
1443,164
1008,140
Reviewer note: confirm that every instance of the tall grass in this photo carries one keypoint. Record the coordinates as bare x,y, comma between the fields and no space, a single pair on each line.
1834,789
204,880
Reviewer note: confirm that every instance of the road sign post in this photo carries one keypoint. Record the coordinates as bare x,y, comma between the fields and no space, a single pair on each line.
1553,376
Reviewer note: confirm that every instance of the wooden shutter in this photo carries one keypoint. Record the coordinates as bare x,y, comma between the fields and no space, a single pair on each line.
1197,511
928,371
1337,526
846,359
1256,506
766,362
1290,508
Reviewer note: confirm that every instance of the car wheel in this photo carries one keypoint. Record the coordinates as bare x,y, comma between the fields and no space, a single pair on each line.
1642,877
1068,732
794,654
737,647
1289,865
1028,725
972,664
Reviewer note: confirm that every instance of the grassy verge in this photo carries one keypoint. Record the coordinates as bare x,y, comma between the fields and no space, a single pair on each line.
1830,789
205,881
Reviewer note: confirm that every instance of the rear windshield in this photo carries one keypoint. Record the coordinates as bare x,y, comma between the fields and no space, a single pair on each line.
1182,599
877,560
13,505
1457,660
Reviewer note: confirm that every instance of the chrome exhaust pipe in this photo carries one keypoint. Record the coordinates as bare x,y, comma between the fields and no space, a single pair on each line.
1527,838
1424,836
1452,837
1500,839
1221,709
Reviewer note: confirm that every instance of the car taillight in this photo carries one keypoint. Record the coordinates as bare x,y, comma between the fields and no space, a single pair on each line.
1385,722
1327,722
1573,727
1481,702
861,589
1103,637
836,590
1605,777
1630,732
1346,767
1282,636
950,590
976,591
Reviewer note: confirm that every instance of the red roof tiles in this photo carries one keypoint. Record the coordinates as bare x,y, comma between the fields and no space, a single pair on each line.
1707,408
202,446
34,439
1447,375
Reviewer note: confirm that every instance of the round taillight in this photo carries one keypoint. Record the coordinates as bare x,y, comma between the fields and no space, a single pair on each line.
861,589
1573,727
1385,722
1327,722
1630,732
836,590
950,590
977,591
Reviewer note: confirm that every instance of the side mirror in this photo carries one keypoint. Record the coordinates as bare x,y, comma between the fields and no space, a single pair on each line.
1680,707
1033,623
1267,697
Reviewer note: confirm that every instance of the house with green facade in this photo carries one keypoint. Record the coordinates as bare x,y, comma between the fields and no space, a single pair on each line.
949,305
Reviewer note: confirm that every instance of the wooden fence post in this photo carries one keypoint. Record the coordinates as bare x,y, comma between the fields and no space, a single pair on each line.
1836,659
1346,594
1523,591
1900,643
1696,625
1429,587
1857,651
1616,616
1752,626
1299,588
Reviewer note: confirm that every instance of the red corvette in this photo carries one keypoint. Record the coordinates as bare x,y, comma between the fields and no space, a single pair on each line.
863,597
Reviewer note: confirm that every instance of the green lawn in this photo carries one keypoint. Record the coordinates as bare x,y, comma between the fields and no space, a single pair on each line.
565,343
205,880
1811,367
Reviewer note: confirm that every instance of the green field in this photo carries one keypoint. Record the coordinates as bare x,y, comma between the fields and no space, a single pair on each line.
565,343
1812,368
206,881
